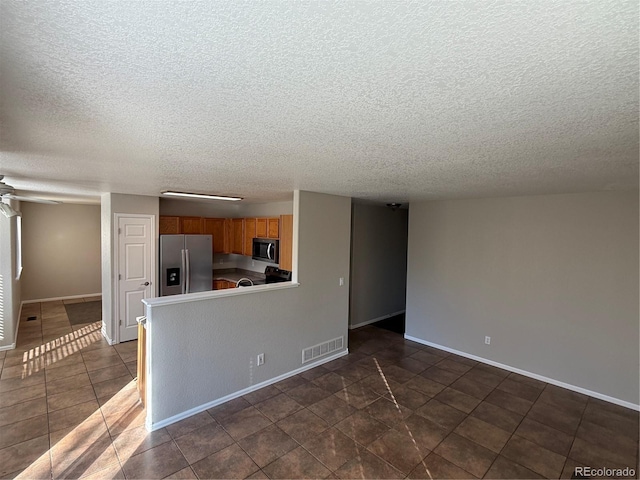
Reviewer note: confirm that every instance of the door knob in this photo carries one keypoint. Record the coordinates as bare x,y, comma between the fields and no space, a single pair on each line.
145,284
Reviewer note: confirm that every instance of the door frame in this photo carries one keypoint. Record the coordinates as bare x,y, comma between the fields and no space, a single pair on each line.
115,306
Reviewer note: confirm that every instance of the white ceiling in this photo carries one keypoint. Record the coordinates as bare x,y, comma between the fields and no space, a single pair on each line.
380,100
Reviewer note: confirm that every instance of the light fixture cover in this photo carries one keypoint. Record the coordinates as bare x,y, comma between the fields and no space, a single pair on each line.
201,195
7,211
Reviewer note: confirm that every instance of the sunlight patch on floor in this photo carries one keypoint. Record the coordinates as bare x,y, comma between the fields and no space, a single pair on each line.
56,350
393,398
88,448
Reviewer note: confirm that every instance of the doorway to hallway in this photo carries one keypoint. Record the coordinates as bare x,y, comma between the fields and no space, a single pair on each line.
378,276
394,324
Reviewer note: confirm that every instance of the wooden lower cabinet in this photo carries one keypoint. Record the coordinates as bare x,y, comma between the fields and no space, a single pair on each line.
223,284
141,368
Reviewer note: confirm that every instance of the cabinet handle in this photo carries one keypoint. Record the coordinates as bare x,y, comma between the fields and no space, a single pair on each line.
184,272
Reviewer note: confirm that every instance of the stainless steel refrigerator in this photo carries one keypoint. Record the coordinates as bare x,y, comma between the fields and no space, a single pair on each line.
186,263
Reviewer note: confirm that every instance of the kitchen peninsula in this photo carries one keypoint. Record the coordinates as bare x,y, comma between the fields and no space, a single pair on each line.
202,348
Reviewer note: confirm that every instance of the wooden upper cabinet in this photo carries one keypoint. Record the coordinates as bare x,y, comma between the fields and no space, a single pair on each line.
169,225
249,234
230,235
237,235
261,228
273,230
286,242
191,225
219,229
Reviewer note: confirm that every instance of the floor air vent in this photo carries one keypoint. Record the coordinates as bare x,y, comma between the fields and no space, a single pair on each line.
321,349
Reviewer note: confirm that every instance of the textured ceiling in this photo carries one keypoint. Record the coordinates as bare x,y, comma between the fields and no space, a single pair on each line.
380,100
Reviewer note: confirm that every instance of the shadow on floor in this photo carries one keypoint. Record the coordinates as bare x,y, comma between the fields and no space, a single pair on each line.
393,324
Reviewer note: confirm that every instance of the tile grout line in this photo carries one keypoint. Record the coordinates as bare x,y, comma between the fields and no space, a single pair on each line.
392,362
514,430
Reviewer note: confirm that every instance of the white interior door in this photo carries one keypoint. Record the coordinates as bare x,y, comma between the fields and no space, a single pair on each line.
135,271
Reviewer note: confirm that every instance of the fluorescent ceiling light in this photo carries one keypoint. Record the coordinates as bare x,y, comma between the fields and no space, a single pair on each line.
201,195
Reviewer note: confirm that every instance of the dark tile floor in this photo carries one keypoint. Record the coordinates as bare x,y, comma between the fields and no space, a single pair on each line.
390,409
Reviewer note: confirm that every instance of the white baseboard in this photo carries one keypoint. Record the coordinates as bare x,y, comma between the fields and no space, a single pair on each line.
214,403
103,331
8,347
71,297
552,381
15,338
374,320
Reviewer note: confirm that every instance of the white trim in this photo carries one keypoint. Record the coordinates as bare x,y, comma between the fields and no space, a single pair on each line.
558,383
15,338
8,347
374,320
71,297
19,247
147,366
228,292
103,331
115,307
214,403
296,236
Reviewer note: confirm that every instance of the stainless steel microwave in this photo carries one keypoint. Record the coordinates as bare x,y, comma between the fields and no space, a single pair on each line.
266,250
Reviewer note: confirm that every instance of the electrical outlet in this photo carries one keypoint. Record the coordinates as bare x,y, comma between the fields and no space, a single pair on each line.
487,340
341,281
260,359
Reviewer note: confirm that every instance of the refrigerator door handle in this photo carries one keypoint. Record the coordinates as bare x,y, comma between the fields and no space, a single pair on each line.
184,271
187,277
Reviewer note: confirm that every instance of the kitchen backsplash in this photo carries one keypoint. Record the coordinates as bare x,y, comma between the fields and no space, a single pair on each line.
221,260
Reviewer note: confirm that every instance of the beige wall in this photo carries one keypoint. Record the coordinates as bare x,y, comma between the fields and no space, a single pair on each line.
553,280
223,209
61,250
378,263
191,208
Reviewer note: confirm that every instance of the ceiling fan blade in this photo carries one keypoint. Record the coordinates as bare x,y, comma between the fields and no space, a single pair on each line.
32,199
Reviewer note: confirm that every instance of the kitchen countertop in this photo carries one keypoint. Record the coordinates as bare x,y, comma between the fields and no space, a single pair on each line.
235,274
